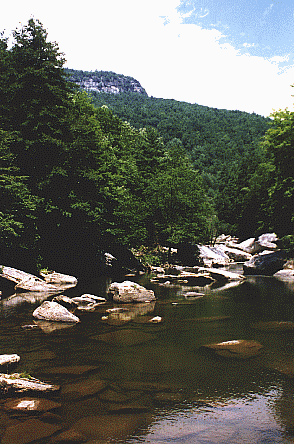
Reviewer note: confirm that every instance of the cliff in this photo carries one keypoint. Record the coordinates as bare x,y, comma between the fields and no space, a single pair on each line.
105,81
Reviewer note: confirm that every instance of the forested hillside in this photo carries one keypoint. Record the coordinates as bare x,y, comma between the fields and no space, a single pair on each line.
79,178
222,145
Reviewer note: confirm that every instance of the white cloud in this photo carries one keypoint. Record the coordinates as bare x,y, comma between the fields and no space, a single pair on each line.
130,37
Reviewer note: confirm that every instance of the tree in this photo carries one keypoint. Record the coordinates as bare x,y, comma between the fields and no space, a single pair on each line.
279,143
18,231
37,98
181,209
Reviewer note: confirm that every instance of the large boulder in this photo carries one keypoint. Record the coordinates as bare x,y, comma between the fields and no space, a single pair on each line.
249,246
129,291
265,263
213,256
52,311
252,246
268,241
8,359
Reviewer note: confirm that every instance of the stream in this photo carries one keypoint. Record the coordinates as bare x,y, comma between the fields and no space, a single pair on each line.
126,380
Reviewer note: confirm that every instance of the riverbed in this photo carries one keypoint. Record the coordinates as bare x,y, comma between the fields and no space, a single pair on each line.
127,380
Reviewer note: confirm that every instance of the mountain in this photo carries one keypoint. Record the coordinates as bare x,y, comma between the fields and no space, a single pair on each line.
105,81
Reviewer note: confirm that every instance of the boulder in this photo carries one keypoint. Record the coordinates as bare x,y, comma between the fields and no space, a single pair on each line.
26,281
213,256
51,277
88,302
268,241
8,359
222,275
52,311
66,302
236,349
265,263
15,383
287,271
249,246
235,254
128,291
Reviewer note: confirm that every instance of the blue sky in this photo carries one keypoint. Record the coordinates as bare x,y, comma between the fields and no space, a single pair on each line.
232,54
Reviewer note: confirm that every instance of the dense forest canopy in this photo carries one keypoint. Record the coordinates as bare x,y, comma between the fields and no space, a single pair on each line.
80,175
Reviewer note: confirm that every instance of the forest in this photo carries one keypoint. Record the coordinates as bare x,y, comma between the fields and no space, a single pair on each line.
82,173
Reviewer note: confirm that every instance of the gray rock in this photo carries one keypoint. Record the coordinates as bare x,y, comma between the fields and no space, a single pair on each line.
52,311
128,291
265,263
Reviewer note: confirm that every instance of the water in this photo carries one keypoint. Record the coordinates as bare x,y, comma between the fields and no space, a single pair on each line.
154,383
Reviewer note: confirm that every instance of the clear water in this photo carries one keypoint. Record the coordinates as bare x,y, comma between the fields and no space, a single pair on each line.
158,384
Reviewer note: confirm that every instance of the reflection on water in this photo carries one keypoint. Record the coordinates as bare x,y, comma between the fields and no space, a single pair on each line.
124,379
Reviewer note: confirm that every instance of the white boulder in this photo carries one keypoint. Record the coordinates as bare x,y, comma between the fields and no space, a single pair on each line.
52,311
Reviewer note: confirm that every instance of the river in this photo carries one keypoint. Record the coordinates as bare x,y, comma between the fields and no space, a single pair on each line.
153,382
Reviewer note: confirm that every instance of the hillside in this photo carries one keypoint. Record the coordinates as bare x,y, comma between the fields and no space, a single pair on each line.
105,81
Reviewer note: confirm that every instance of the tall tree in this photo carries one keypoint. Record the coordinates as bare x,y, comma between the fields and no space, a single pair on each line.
37,96
279,143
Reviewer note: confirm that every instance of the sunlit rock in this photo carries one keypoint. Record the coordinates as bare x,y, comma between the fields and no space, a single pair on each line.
16,383
51,277
9,359
129,291
52,311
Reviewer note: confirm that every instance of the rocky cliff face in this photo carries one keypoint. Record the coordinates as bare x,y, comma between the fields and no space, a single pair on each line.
105,81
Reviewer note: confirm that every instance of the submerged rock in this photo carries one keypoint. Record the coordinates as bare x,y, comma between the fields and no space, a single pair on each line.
83,388
30,405
124,337
236,348
52,311
28,431
274,325
110,428
129,291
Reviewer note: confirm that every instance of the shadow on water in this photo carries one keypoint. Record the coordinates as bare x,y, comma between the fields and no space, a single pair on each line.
126,379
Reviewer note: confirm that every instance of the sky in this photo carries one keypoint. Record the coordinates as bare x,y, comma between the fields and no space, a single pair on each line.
227,54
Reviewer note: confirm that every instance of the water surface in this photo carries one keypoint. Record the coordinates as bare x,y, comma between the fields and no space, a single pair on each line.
154,383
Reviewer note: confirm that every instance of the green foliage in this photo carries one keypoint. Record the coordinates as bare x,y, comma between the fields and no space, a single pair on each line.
287,244
79,174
